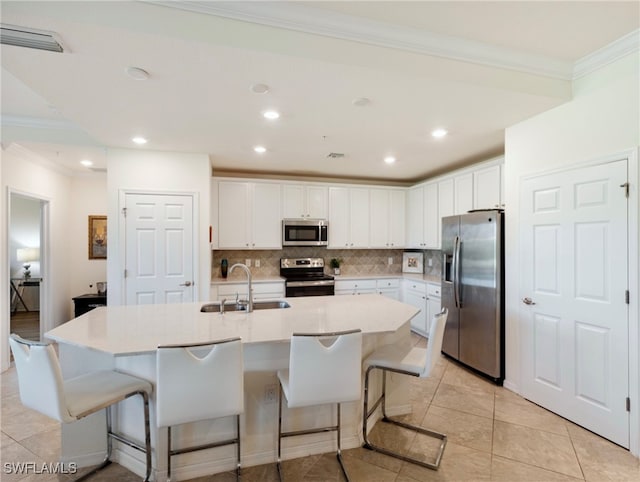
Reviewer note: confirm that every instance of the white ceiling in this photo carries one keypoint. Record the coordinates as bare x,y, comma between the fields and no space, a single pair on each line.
471,67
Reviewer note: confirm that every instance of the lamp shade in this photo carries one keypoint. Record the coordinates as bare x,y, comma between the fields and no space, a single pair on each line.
28,255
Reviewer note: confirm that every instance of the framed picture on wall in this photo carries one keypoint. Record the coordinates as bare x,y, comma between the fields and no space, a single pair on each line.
412,262
97,237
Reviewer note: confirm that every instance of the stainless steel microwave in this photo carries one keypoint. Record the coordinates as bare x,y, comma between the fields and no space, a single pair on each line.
305,232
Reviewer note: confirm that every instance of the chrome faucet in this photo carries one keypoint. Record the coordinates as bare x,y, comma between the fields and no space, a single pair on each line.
250,289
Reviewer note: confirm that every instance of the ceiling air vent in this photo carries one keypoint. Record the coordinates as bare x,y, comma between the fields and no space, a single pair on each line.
335,155
30,37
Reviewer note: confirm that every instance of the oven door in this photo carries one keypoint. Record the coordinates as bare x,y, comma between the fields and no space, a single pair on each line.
309,288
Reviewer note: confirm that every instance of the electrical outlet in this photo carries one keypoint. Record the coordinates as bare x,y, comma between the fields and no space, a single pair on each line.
390,260
248,262
270,394
257,263
430,261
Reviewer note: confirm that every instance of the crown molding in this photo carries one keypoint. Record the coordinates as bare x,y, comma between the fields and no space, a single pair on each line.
303,18
38,123
23,152
609,53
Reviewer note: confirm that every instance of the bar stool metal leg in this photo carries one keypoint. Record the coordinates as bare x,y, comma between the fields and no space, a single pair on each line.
382,399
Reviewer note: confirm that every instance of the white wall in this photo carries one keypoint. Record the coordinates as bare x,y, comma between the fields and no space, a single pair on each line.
22,173
89,197
150,171
24,232
601,120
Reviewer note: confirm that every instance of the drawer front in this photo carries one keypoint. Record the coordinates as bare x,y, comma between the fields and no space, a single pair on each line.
382,284
433,290
268,288
361,284
263,290
232,289
416,286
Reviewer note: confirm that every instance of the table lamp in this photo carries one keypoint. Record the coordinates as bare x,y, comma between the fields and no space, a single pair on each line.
28,256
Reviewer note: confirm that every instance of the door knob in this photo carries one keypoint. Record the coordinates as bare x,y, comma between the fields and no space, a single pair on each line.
528,301
188,283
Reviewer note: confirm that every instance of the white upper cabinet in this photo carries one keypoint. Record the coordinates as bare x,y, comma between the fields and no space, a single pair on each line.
249,215
305,201
463,190
348,217
422,216
415,217
446,201
387,208
488,186
397,217
431,216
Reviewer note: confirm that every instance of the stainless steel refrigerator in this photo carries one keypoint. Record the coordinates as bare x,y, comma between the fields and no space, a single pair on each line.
473,290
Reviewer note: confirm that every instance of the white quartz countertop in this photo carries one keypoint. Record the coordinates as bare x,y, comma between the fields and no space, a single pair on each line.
130,330
243,279
426,278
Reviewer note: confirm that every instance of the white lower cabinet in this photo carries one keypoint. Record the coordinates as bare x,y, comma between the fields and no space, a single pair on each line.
426,297
355,287
434,301
389,288
261,291
415,294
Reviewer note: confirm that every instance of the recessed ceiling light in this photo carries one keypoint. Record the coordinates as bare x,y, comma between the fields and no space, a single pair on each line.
86,162
389,159
139,140
137,73
439,132
260,149
361,101
259,88
271,114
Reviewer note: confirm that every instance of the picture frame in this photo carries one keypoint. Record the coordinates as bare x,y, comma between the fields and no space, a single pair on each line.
412,262
97,237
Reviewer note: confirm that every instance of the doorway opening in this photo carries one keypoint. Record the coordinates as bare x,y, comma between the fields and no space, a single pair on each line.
27,265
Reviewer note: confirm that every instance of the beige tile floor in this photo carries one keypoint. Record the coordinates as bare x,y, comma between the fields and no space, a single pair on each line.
493,434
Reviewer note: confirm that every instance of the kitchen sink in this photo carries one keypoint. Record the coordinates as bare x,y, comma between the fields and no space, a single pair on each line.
257,305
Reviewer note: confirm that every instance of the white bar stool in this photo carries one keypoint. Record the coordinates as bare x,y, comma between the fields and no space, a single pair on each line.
417,362
190,388
43,389
320,373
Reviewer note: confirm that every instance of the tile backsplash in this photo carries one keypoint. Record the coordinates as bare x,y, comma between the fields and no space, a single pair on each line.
354,261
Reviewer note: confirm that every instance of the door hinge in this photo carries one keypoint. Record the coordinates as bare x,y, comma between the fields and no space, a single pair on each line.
628,404
125,273
124,212
626,297
626,188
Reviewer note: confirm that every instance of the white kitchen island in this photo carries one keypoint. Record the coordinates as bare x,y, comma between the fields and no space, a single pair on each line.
126,338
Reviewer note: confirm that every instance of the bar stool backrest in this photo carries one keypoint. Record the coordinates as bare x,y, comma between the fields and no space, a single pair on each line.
40,378
322,373
434,346
191,388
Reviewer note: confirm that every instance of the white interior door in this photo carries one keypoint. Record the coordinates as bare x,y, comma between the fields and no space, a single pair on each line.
159,249
574,266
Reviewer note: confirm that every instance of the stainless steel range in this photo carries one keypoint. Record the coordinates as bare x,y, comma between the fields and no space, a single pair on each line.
305,277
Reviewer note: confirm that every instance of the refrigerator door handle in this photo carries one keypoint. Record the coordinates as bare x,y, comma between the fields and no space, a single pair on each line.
456,271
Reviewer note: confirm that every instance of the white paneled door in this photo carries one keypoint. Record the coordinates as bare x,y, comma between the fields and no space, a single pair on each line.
574,281
159,249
